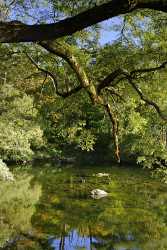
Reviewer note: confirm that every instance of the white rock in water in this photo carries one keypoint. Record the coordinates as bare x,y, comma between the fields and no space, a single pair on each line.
98,193
102,174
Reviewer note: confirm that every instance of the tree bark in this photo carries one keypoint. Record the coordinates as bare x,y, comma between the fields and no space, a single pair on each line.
64,51
14,32
114,123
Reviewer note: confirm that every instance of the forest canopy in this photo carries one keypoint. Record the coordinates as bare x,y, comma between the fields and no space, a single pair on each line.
63,90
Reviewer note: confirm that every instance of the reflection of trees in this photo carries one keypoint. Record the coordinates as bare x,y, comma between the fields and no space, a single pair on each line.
123,219
17,205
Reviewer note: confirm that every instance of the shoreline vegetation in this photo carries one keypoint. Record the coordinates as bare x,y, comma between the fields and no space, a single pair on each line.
78,98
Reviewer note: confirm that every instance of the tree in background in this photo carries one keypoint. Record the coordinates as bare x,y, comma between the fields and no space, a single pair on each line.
20,130
125,79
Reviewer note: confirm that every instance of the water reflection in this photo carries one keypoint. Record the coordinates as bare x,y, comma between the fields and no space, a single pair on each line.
64,217
17,205
73,241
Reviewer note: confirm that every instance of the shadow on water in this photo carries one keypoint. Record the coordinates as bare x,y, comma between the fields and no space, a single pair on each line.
50,208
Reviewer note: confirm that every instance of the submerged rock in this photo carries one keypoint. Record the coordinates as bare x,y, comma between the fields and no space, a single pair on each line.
102,175
98,193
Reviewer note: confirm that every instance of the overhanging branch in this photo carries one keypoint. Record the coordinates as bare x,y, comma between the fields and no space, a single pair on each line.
110,79
148,70
106,82
54,80
16,32
145,99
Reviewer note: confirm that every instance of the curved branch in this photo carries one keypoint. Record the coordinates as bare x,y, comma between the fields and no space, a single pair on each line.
148,70
64,51
54,80
10,33
106,82
146,100
109,80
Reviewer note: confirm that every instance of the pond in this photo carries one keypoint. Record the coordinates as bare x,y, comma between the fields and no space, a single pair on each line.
48,207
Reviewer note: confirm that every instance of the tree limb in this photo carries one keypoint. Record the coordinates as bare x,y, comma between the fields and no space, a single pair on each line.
54,80
146,100
64,51
114,123
106,82
109,80
10,32
148,70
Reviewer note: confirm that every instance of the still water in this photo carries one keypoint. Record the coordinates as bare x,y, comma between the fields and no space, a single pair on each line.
49,207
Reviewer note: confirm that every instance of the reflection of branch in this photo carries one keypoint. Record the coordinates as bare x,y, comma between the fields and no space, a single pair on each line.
33,75
12,2
43,84
54,80
9,55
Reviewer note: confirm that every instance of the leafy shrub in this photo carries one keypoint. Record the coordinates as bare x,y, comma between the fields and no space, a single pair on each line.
5,174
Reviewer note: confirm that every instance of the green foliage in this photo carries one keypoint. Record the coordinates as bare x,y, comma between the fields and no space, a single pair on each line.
17,205
123,213
74,122
86,140
19,129
5,174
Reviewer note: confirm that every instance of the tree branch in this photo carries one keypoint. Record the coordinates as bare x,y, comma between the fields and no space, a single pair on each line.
64,51
113,91
145,99
10,32
148,70
106,82
114,123
54,80
109,80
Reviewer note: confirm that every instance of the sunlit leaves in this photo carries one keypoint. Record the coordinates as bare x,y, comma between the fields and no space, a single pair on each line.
18,127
